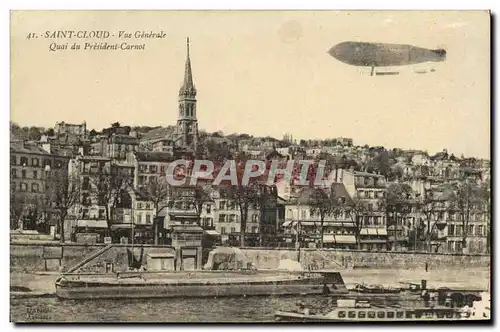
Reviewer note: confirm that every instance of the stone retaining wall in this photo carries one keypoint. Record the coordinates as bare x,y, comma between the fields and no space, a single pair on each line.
57,257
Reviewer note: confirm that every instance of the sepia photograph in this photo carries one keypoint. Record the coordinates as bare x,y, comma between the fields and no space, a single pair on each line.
322,166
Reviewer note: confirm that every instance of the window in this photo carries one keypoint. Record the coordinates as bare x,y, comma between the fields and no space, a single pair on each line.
471,230
23,174
222,205
35,175
233,229
24,186
85,213
35,162
381,314
139,205
232,218
222,218
209,209
162,169
101,213
341,314
480,230
13,173
223,230
255,229
148,218
24,161
361,314
139,218
400,314
451,230
254,218
147,206
352,314
34,187
13,160
390,314
371,314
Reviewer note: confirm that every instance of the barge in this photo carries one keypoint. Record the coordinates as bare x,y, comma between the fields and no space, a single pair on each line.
198,284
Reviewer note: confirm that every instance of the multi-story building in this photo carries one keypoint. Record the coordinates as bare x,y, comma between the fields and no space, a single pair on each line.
63,128
338,229
120,148
30,166
150,166
370,190
452,223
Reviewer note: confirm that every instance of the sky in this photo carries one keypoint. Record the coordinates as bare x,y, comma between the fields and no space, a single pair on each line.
263,73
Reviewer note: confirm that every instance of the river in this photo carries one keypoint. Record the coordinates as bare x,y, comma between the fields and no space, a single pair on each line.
252,309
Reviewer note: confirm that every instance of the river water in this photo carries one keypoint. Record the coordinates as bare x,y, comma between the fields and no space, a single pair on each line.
238,309
252,309
190,310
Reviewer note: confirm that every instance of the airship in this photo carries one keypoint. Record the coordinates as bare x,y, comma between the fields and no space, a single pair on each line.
376,55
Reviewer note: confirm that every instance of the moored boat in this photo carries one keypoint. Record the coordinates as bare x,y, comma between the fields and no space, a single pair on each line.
358,311
198,284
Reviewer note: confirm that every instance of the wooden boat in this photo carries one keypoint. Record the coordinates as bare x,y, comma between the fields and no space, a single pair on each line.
356,311
198,284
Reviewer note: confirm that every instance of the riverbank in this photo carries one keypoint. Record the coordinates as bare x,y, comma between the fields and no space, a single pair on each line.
42,284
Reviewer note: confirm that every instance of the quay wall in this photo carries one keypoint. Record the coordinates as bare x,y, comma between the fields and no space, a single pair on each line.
335,259
61,257
41,257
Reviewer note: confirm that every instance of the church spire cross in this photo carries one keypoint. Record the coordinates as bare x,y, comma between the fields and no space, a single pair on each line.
187,87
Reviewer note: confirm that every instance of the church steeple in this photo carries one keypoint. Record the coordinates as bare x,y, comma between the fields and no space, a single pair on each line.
187,124
188,88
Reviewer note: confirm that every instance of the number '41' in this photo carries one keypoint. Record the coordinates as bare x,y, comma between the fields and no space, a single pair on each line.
31,35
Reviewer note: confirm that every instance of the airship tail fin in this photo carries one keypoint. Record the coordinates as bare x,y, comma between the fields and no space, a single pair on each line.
441,52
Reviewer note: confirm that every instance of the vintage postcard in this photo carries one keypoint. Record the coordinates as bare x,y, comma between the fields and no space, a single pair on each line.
250,166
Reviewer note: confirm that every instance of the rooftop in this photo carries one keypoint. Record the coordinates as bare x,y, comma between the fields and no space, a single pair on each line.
154,156
23,147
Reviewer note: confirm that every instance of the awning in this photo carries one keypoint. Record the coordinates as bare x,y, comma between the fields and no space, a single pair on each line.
382,231
90,223
373,241
211,232
373,231
121,226
339,239
287,223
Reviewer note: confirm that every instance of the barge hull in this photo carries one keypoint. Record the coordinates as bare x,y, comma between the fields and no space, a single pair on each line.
171,291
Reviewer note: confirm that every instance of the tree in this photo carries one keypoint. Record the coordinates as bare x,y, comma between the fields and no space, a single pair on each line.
398,205
17,204
34,133
428,211
158,192
244,196
50,132
110,185
201,196
323,203
62,194
357,211
466,199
